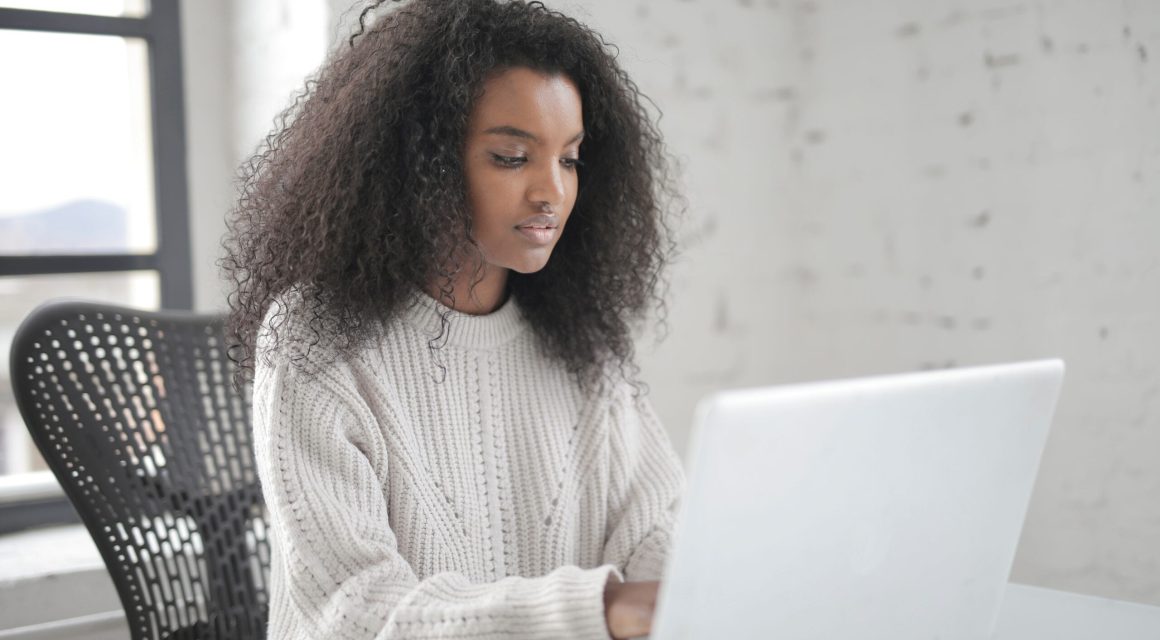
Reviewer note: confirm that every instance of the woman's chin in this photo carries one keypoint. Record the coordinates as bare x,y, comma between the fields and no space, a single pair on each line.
531,263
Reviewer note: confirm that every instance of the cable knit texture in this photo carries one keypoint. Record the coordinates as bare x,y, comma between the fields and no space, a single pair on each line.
487,499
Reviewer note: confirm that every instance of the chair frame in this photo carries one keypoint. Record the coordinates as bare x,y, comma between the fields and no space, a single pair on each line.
136,414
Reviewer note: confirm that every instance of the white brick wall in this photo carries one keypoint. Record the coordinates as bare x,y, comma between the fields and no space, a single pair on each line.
891,186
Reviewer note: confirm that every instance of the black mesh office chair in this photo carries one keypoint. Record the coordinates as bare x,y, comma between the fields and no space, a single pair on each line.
136,414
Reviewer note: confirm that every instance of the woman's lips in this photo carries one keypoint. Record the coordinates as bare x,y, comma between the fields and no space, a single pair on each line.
538,235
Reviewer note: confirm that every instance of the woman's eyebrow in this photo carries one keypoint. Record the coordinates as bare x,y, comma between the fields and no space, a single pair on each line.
508,130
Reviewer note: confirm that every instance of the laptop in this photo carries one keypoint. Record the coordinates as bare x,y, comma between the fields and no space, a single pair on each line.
877,508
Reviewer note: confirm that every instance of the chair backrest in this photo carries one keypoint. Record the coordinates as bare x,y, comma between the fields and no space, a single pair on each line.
137,415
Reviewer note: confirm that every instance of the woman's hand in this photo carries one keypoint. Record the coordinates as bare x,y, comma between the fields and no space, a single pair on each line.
628,608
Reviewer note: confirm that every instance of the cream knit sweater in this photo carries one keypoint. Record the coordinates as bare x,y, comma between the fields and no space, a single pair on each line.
493,503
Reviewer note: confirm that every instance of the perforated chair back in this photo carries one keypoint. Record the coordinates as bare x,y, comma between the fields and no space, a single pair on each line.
136,414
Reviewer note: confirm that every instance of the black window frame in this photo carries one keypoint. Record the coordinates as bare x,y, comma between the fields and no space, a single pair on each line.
160,29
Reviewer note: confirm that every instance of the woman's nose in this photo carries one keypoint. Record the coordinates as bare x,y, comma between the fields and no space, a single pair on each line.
548,185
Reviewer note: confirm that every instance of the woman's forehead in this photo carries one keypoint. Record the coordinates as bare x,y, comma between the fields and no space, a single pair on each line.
545,106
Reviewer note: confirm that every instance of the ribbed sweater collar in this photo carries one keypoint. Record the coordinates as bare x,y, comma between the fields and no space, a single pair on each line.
464,330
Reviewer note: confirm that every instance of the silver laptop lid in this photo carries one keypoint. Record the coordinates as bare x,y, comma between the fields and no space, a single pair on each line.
886,507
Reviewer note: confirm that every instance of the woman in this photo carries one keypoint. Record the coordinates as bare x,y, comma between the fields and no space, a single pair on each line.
438,260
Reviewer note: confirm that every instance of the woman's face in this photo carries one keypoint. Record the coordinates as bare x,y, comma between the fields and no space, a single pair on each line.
520,160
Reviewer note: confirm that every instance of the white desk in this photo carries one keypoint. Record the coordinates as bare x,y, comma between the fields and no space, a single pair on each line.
1034,613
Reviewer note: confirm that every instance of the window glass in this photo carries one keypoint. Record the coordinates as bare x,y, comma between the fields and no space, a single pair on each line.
126,8
77,162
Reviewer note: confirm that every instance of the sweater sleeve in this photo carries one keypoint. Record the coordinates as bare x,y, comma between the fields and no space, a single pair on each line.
647,481
337,572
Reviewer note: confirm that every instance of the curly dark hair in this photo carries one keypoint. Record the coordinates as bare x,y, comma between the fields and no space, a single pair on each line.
359,195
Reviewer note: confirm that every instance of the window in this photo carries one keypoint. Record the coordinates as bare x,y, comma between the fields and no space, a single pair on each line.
93,202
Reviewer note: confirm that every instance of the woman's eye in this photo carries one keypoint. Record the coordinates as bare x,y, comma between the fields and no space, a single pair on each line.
572,163
508,161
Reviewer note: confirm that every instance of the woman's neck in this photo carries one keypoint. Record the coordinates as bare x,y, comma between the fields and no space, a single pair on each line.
484,297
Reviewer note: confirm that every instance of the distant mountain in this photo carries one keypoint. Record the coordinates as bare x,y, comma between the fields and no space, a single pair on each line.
80,226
